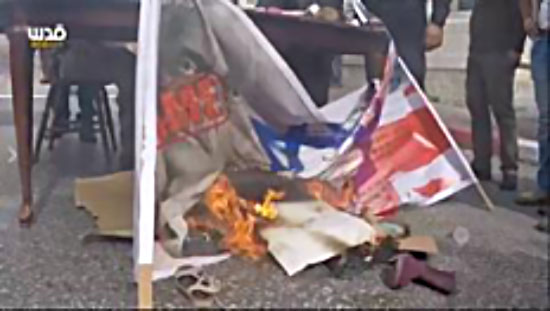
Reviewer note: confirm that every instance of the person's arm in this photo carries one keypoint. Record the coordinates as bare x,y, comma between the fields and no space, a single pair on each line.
441,10
529,22
518,31
526,8
434,31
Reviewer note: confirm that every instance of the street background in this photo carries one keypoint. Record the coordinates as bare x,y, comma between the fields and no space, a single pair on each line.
504,263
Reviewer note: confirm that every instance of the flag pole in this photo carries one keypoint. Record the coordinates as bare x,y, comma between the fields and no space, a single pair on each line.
488,203
146,150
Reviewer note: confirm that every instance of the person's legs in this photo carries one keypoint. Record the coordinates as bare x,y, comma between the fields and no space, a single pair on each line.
541,77
62,112
86,95
477,103
371,75
336,79
314,71
500,94
540,64
406,22
124,78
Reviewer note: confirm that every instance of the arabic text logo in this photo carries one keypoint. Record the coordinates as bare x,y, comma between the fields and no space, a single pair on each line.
47,37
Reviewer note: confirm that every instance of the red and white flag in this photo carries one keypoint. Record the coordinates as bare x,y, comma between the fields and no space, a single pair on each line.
400,152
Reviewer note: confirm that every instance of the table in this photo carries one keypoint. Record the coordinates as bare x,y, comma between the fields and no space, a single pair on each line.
84,19
336,38
117,20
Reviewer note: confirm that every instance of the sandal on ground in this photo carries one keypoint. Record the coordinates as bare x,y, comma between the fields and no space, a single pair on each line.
202,289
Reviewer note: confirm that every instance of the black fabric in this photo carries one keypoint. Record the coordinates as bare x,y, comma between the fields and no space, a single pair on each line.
313,68
441,10
490,88
496,26
406,22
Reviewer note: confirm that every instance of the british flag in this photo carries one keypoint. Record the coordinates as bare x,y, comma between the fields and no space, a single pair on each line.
394,147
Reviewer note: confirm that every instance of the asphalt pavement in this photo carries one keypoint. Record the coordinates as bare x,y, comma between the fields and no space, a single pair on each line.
504,263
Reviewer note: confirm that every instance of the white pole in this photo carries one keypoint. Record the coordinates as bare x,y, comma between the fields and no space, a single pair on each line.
146,149
454,145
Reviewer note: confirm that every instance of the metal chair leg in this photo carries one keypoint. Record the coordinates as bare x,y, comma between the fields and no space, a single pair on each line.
102,126
60,91
44,121
109,117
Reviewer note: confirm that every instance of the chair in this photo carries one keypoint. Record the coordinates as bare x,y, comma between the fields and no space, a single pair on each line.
102,120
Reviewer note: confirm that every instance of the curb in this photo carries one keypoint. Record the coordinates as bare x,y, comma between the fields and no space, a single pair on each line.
528,149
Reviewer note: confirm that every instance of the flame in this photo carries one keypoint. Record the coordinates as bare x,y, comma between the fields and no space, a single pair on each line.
323,191
236,214
267,210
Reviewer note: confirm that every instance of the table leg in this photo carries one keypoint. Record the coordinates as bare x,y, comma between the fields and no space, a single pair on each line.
21,69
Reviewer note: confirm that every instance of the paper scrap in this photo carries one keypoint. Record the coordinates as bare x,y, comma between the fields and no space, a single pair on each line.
296,248
165,266
424,244
310,232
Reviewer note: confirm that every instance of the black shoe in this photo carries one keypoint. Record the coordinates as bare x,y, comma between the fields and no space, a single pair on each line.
482,175
509,181
433,98
543,225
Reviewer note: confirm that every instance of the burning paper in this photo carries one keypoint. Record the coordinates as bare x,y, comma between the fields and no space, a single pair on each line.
238,216
311,232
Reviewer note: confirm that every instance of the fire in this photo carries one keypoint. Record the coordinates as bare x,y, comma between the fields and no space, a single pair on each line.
267,210
323,191
237,216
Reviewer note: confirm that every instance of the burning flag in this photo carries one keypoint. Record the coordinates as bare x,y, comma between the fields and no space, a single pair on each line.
392,150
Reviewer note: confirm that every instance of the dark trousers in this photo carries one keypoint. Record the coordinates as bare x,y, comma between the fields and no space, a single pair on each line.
374,66
313,69
406,23
86,61
86,95
490,87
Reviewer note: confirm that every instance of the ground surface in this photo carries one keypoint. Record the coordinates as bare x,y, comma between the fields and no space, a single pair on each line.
504,263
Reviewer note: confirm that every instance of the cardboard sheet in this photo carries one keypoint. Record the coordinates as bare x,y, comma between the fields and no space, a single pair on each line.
424,244
109,199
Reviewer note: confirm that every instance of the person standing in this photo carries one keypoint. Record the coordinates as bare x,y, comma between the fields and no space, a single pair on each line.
406,21
312,67
357,14
496,44
536,22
